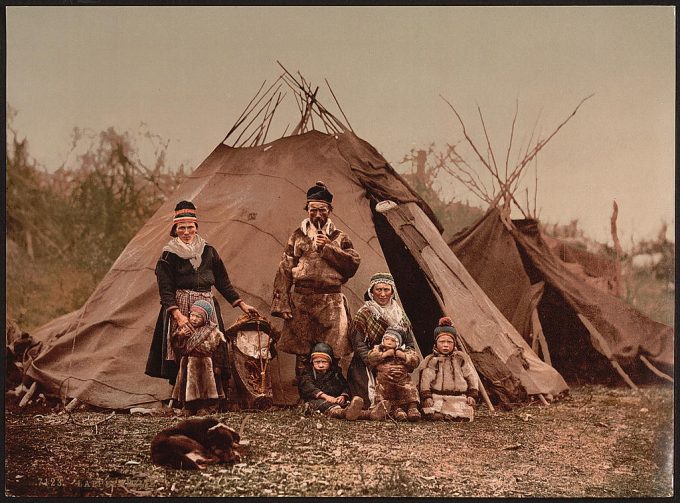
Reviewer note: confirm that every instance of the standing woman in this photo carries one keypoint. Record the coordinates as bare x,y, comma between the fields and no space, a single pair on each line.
381,310
186,272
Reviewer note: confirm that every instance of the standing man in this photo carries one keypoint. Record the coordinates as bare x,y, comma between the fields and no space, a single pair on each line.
317,261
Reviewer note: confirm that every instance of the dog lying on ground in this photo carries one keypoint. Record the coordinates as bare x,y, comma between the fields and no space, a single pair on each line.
194,443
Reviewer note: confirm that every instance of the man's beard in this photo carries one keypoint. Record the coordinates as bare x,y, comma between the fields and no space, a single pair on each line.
319,222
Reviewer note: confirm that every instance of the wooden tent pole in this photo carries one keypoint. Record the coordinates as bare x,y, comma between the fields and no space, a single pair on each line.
71,405
338,103
248,110
534,340
604,346
29,394
245,110
539,338
654,369
482,389
623,374
544,348
485,396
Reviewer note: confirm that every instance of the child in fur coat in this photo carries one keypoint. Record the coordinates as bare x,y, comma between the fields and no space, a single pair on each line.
448,382
395,394
323,387
195,387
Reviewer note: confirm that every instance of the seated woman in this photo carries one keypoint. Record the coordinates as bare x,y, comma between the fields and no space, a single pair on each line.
448,383
380,311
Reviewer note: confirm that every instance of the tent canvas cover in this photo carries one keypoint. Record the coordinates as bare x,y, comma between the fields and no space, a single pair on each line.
249,200
584,325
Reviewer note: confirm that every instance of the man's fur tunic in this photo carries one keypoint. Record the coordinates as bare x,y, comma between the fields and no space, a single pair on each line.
307,285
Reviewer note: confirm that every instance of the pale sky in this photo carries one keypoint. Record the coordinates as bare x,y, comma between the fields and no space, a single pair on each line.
188,72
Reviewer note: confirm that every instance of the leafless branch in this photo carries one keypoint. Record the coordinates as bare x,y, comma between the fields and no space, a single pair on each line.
488,141
512,132
535,183
469,183
462,165
526,193
540,144
298,102
467,137
617,249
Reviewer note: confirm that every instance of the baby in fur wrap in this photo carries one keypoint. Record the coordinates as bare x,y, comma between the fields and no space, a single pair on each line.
395,394
195,387
448,382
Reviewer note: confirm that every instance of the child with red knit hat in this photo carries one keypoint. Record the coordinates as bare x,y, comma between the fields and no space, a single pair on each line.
448,383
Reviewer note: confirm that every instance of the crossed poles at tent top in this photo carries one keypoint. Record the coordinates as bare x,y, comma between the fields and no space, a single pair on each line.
252,126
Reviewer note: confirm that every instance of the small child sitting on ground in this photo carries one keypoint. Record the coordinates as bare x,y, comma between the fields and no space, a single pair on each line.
395,394
448,381
323,387
195,386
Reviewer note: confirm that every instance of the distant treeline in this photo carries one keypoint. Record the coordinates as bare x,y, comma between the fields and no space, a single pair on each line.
65,227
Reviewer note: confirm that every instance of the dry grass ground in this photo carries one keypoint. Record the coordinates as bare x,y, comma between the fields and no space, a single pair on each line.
599,441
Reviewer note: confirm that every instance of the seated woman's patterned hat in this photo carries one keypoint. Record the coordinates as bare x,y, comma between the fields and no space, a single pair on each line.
381,277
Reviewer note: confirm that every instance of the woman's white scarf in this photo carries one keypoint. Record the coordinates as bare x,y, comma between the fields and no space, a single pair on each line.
392,312
191,251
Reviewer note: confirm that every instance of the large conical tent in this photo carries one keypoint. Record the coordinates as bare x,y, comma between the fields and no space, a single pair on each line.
585,328
250,196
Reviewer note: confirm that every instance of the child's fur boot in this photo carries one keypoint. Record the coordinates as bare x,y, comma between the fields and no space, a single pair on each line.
336,412
353,410
412,413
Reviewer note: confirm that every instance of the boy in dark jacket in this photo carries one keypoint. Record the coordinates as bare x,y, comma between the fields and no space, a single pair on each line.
323,387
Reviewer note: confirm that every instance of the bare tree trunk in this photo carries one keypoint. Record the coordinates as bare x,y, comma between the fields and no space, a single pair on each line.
618,291
421,157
